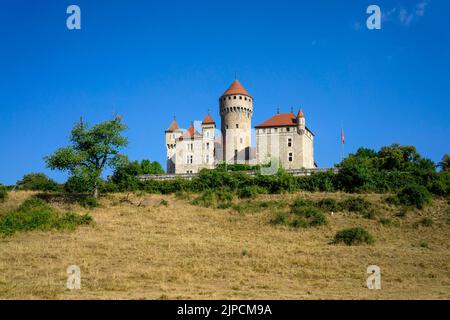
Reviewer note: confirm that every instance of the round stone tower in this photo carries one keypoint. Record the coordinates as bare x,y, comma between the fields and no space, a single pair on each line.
236,110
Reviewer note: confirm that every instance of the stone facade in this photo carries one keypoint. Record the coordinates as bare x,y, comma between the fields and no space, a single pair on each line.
191,151
236,110
286,139
283,137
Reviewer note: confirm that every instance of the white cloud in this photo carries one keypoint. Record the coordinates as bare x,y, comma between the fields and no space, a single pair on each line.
406,16
420,8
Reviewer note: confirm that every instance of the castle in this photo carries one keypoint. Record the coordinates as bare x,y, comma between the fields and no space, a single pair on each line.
284,138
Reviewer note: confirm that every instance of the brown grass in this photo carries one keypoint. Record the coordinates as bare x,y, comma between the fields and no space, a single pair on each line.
141,249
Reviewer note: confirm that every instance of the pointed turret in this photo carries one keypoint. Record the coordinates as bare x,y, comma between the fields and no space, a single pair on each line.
301,123
173,126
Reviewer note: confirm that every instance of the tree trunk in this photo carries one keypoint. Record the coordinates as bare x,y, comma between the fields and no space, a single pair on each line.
95,193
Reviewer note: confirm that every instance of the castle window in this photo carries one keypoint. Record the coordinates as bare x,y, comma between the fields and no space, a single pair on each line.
241,140
207,134
207,146
226,126
287,129
237,125
289,142
207,158
290,157
234,97
189,159
229,98
240,98
245,98
275,129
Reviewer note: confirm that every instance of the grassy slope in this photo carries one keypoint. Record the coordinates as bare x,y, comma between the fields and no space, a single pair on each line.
181,251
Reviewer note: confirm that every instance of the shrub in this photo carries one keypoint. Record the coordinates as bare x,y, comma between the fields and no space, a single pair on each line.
36,214
328,204
424,222
306,215
280,218
424,244
81,183
300,203
88,202
359,205
353,236
385,221
164,203
214,199
257,206
3,194
37,182
355,204
249,192
414,195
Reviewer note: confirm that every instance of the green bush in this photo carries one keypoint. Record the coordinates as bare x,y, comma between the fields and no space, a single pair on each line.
280,218
328,204
248,192
424,222
214,199
353,236
414,195
359,205
37,182
257,206
355,204
81,183
306,215
3,194
36,214
89,202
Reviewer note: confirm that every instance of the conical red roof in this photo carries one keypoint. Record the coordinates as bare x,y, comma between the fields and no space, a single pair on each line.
208,120
173,126
236,88
300,113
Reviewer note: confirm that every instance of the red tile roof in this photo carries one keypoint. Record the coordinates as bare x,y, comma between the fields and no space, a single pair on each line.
173,126
300,113
208,120
236,88
190,133
279,120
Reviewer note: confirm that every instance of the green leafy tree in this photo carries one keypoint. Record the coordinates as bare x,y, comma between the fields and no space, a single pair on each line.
92,150
126,175
445,162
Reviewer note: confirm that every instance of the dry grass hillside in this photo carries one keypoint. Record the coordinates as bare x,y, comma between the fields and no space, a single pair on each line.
141,247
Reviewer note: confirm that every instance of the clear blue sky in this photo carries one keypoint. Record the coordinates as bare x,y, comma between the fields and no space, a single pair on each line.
150,60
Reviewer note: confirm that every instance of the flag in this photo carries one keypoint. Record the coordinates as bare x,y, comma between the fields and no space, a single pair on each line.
342,136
